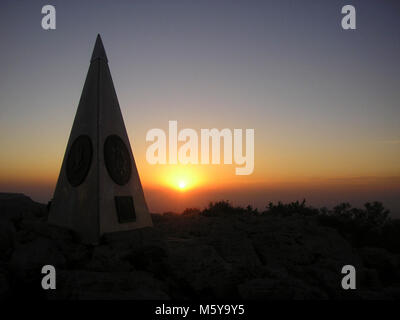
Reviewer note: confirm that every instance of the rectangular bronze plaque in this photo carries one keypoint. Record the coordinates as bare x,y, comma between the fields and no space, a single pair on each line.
125,209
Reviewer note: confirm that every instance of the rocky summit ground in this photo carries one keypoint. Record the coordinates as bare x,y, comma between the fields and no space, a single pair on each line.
188,257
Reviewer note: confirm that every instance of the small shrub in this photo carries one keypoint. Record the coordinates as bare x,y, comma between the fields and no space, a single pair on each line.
292,208
221,208
191,212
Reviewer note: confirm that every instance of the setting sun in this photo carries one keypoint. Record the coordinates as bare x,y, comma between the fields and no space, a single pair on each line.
182,184
180,177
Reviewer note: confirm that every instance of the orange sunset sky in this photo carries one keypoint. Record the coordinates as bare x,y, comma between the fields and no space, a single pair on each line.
324,102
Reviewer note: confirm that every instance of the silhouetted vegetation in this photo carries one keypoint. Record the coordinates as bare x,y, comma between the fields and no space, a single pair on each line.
298,208
221,208
191,211
362,227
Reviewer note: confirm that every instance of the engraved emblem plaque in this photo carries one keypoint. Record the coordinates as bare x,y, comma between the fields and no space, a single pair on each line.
117,159
79,160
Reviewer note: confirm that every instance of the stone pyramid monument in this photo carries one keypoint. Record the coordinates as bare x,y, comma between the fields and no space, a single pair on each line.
98,190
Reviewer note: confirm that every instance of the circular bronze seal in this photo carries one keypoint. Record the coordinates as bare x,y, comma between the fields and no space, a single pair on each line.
79,160
117,159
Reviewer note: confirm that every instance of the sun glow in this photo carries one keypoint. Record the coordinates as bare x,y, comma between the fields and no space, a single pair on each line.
182,178
182,184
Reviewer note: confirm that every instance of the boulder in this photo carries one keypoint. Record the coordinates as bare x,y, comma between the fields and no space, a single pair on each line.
386,263
28,259
86,285
108,259
14,207
201,268
278,289
7,240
